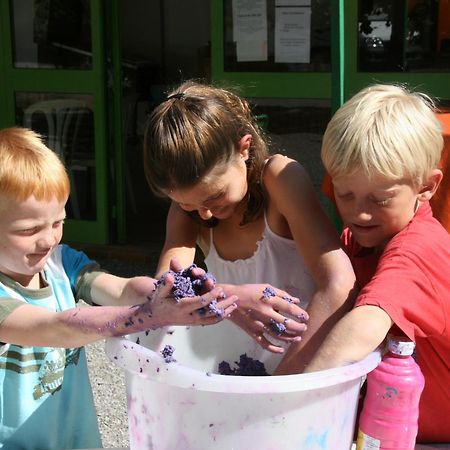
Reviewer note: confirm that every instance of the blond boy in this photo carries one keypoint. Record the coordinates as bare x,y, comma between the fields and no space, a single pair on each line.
382,150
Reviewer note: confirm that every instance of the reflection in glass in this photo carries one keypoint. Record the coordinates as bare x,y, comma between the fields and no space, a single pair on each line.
52,34
404,36
319,34
67,124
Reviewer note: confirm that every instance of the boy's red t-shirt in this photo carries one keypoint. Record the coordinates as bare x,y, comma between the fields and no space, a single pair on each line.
410,280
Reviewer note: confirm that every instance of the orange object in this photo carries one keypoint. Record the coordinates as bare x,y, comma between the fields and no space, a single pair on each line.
327,187
440,203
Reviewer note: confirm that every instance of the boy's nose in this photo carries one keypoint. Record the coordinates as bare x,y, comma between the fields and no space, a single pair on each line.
362,211
205,213
48,239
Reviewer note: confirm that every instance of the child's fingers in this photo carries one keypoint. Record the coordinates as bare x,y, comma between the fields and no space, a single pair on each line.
282,325
256,329
208,281
198,272
164,288
266,344
212,317
271,292
209,302
175,265
288,298
208,284
289,309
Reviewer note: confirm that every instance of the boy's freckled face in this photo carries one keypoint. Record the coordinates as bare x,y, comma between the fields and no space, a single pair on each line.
374,209
29,230
216,195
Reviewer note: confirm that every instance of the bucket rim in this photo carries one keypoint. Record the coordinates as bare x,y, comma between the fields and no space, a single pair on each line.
141,361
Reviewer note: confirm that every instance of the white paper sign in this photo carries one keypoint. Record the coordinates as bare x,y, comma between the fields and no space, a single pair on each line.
292,34
250,29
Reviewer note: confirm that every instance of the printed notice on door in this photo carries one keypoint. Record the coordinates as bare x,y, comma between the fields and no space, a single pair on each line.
250,30
292,31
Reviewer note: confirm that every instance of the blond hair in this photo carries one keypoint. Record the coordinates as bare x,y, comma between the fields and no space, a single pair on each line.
387,130
28,167
196,128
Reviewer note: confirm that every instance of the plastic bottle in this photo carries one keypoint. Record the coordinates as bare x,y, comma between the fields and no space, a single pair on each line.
389,418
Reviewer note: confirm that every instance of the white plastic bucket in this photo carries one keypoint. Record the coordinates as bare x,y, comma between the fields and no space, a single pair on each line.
187,405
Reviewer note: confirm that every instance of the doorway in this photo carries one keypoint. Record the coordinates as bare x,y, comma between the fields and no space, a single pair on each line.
162,43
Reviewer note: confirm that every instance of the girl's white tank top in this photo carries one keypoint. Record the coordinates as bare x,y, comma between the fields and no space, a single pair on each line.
276,261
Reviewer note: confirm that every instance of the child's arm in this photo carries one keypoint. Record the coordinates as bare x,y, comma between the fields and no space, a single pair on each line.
292,199
356,335
29,325
181,239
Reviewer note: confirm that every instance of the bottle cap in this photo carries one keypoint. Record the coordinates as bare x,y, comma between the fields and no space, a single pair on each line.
400,345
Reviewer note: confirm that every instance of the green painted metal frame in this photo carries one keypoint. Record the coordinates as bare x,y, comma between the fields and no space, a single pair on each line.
315,85
337,78
91,82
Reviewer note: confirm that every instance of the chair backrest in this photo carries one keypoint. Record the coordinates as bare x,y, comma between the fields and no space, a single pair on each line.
55,112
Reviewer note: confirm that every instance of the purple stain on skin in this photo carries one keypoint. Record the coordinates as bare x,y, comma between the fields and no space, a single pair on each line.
278,328
246,366
167,353
287,298
212,307
268,292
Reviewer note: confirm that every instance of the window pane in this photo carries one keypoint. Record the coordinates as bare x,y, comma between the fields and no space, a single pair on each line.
67,124
52,34
404,36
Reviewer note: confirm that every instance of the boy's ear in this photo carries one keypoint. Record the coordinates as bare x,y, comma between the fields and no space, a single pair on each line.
244,146
430,185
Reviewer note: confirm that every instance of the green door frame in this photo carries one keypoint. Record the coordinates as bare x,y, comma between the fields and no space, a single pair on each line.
92,82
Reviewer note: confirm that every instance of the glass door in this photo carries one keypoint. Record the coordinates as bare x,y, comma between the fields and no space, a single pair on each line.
402,41
53,81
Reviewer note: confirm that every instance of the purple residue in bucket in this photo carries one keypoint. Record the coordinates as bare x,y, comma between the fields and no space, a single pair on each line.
167,353
246,366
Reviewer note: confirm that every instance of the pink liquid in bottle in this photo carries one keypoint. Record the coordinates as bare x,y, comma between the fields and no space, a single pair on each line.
389,418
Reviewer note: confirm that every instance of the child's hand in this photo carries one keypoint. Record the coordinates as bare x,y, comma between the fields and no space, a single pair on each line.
198,272
162,309
264,310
